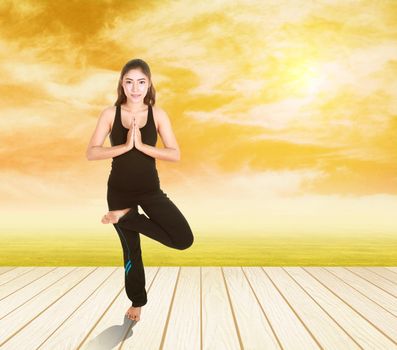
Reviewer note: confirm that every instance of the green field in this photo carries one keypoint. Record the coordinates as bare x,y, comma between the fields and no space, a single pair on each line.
243,250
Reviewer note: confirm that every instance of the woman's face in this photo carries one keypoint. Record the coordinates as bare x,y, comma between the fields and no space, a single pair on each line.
135,85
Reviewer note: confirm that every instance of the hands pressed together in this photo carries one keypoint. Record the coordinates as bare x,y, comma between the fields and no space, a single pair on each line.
134,138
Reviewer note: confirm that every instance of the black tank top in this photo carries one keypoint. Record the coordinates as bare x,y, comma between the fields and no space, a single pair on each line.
134,170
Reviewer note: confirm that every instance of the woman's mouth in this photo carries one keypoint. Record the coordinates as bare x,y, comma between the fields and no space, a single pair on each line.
135,96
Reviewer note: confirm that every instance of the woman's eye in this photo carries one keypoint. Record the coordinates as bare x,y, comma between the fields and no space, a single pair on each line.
140,83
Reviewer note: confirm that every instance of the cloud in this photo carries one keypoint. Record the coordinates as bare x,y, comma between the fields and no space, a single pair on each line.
297,94
269,202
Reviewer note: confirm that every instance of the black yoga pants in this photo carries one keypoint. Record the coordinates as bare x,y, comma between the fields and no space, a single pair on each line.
166,224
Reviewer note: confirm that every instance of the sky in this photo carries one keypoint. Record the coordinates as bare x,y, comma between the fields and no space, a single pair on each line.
284,111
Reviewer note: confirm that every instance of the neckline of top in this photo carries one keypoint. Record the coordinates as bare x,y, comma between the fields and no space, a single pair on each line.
147,118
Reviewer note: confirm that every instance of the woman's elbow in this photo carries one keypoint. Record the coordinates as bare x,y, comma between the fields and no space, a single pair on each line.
88,154
177,156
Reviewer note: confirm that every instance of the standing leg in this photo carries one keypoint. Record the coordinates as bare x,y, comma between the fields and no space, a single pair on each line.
166,224
133,266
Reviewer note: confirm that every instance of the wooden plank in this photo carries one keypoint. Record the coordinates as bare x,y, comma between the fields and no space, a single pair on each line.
384,272
73,331
218,327
392,268
113,326
377,295
254,327
219,330
80,308
376,279
45,324
16,321
376,315
289,330
4,269
149,331
23,295
367,336
327,333
15,273
23,280
183,328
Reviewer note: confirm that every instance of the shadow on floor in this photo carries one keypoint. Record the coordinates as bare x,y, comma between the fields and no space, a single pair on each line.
111,337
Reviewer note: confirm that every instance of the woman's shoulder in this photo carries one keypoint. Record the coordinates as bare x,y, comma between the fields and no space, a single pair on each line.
156,108
109,109
158,112
108,112
107,116
158,116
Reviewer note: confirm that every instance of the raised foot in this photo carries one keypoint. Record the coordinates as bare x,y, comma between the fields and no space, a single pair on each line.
113,217
134,313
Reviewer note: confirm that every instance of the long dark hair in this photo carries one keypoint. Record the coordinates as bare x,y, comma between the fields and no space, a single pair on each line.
150,98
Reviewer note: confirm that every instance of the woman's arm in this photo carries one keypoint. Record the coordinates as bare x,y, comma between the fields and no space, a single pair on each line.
171,151
95,150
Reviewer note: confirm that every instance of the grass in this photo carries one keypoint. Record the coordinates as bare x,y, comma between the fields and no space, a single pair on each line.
243,250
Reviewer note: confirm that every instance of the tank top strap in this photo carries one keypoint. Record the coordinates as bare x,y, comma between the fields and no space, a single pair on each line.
150,116
117,121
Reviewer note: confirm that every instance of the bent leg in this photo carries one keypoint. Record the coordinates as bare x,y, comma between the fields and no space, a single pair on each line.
166,224
133,266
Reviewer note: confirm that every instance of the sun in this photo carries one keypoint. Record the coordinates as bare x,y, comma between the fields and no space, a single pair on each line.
313,80
306,78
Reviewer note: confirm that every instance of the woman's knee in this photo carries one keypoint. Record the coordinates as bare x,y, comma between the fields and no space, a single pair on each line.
186,242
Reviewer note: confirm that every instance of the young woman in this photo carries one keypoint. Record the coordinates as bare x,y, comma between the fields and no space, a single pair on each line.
132,125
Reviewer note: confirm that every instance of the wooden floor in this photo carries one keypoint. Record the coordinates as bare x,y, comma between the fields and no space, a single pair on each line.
200,308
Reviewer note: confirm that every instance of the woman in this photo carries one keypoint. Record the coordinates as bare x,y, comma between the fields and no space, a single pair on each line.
132,124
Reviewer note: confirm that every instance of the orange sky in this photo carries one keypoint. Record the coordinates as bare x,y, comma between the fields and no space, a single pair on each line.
285,111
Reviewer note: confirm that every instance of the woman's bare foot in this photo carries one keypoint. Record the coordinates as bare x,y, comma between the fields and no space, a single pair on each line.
113,216
134,313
